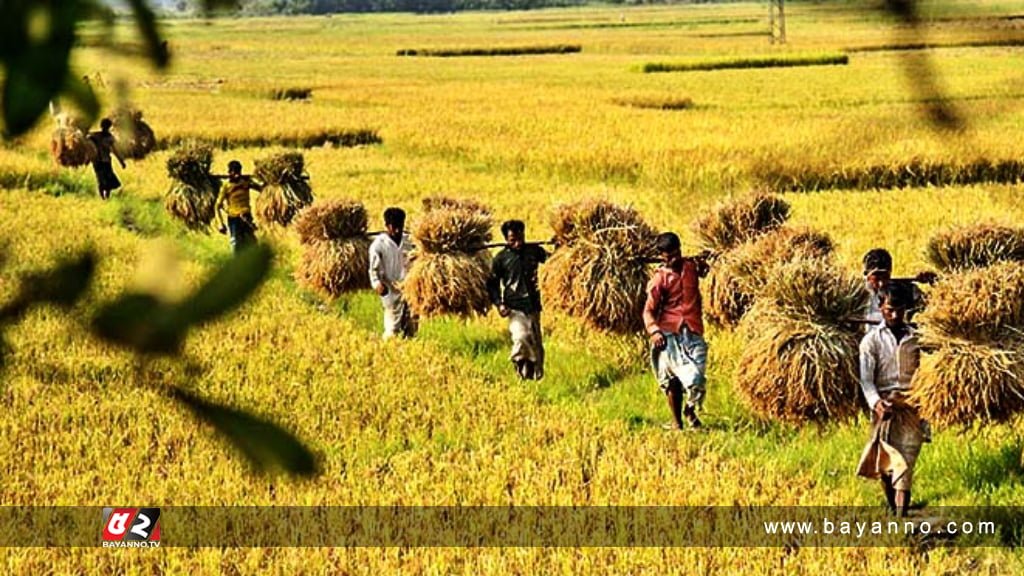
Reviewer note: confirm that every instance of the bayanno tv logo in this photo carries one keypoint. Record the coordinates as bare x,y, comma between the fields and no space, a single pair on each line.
131,527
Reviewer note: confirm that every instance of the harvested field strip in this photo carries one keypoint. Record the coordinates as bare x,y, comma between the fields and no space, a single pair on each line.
751,33
494,51
916,173
680,103
291,94
742,63
991,42
654,24
343,138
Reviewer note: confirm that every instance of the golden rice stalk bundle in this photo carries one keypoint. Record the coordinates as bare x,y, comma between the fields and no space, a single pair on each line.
70,145
961,383
739,274
335,266
331,220
449,274
193,193
798,371
443,202
600,270
287,188
586,282
191,163
739,220
135,138
453,230
601,223
984,305
194,207
815,290
976,246
448,283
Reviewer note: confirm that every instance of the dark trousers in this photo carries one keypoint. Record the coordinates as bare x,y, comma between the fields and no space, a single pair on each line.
242,230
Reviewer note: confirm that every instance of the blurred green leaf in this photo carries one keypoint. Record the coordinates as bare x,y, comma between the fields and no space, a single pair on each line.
35,57
266,445
83,96
146,20
230,286
62,285
905,10
142,323
148,326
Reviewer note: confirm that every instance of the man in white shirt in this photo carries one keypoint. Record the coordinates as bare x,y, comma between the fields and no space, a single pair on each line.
389,263
889,356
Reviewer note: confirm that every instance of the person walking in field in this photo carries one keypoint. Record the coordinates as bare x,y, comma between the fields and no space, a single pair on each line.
512,287
889,356
673,318
106,179
389,264
234,199
877,274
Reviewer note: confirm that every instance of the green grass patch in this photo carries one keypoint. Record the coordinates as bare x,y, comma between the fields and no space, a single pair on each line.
913,174
744,63
340,138
145,217
494,51
55,183
909,46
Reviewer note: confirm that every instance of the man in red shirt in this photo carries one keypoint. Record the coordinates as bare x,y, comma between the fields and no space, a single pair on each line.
673,317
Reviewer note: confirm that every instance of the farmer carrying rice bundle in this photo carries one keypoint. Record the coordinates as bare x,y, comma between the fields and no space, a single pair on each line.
513,290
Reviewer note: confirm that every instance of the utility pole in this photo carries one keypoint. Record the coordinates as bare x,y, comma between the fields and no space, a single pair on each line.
777,17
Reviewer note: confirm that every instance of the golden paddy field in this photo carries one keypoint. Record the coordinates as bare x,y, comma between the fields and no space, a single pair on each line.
441,420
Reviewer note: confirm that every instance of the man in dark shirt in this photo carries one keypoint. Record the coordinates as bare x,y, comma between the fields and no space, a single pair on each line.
106,147
513,290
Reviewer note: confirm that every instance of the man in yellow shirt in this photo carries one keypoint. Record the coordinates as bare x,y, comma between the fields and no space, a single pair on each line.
234,195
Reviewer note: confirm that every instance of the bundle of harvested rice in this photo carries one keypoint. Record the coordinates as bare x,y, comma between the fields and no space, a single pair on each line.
813,289
976,246
331,220
740,273
801,361
193,191
797,371
445,230
287,188
962,382
333,267
984,305
973,334
440,202
135,139
335,256
449,272
70,145
739,220
600,270
448,283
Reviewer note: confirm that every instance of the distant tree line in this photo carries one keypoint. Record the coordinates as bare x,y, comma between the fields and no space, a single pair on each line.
266,7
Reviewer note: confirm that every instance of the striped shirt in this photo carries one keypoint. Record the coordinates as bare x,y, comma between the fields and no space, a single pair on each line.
885,364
